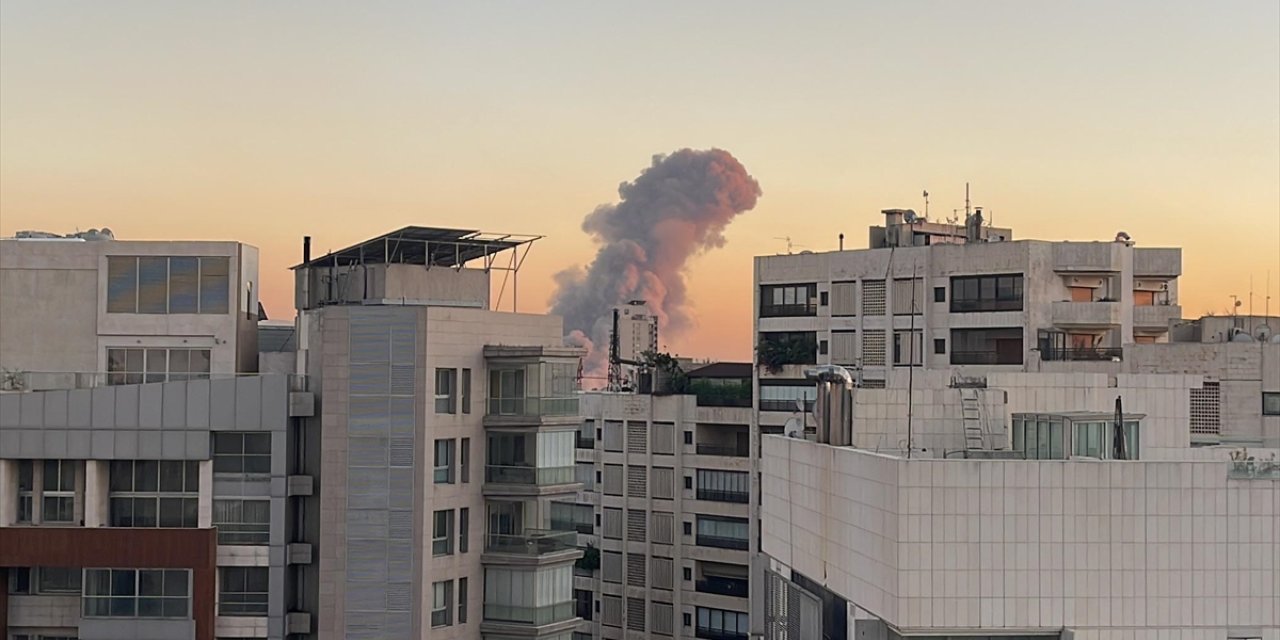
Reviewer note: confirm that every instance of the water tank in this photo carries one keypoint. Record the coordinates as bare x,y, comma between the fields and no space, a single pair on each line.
833,409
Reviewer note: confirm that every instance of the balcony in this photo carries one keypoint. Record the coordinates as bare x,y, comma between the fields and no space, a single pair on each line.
1085,314
533,407
529,476
736,587
1090,354
1086,257
721,542
1156,316
532,543
719,634
717,495
732,450
788,310
1157,263
537,616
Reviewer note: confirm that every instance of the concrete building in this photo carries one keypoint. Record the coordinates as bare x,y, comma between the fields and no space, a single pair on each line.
447,431
1064,540
143,311
667,504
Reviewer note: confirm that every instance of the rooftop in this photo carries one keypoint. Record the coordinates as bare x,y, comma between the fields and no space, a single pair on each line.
433,246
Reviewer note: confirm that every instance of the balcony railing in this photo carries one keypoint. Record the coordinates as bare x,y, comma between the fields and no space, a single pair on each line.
533,542
960,305
717,495
583,442
784,405
60,380
537,616
719,634
1094,354
570,525
733,450
736,587
1253,470
985,357
533,407
510,474
704,540
788,310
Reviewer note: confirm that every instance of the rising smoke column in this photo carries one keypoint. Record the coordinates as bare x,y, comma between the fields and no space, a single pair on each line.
676,209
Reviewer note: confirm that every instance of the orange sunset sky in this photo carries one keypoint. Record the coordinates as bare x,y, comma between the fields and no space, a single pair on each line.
264,122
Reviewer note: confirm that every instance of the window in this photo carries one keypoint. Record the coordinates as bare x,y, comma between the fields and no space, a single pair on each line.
464,529
569,516
725,533
787,397
582,603
506,391
444,461
986,293
464,461
247,453
1271,403
242,591
446,390
788,300
168,285
462,600
822,299
154,493
58,497
908,348
986,346
724,486
442,533
939,294
688,437
720,624
26,485
136,366
822,347
688,482
466,391
137,593
242,521
59,580
19,580
908,296
939,345
688,528
442,603
688,574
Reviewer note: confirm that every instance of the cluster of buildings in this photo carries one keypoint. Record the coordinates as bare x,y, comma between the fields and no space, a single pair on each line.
951,433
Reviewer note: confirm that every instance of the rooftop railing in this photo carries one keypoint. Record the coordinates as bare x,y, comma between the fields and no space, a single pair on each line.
1253,470
533,542
18,381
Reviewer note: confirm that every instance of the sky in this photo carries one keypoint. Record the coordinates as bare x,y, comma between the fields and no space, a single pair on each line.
264,122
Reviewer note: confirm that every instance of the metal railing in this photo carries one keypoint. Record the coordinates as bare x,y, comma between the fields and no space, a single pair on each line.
1093,354
718,495
736,587
531,615
718,634
733,450
533,407
13,381
788,310
984,357
511,474
533,542
962,305
1253,470
784,405
704,540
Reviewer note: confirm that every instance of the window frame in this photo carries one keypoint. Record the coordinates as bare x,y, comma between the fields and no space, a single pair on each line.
447,402
243,602
441,604
988,293
442,541
243,531
212,277
26,491
785,300
1274,398
175,589
138,365
225,449
138,491
66,472
444,473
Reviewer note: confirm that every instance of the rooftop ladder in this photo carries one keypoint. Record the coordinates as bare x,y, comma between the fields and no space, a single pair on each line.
971,414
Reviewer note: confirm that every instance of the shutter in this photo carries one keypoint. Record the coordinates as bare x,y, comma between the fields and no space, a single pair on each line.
637,437
636,527
662,572
613,479
844,298
613,436
611,566
611,611
636,570
663,482
613,523
844,347
635,614
662,618
663,527
663,437
637,481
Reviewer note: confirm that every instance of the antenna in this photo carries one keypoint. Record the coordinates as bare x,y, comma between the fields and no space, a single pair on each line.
1235,304
790,246
966,200
926,203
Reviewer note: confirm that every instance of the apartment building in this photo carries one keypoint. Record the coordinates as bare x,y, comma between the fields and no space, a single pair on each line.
1063,528
666,510
146,488
447,432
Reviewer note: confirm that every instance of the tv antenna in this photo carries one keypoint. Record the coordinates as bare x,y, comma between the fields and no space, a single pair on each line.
925,193
790,246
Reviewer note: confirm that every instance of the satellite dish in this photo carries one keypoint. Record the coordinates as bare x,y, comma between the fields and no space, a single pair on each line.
792,428
910,217
1239,335
1262,332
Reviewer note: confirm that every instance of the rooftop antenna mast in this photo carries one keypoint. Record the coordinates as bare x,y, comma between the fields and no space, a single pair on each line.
926,203
967,210
790,246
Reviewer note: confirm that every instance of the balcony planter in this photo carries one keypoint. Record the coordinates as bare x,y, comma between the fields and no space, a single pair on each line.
590,560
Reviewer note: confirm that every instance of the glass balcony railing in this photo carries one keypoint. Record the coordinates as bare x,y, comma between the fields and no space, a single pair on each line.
733,450
533,542
721,495
533,407
704,540
719,634
510,474
537,616
736,587
1253,470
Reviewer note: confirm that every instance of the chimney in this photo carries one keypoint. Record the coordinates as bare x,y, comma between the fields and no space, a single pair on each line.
306,251
842,242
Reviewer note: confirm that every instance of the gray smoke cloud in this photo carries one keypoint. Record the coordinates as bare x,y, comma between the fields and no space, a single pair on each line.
675,209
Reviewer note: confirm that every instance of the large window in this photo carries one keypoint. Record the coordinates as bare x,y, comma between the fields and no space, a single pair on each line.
1051,437
154,493
442,603
136,366
724,486
58,496
242,520
167,285
778,348
238,452
726,533
780,300
446,390
242,591
986,346
986,293
719,624
59,580
442,533
137,593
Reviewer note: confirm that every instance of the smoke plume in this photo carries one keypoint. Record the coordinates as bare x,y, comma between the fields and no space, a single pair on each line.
676,209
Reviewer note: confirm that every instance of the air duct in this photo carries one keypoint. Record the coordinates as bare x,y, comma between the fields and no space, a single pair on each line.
833,409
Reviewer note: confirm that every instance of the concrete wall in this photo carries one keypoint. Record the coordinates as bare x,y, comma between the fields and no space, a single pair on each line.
1005,545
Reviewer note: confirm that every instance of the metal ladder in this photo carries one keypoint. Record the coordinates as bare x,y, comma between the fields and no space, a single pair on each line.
971,414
